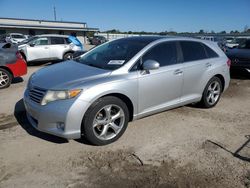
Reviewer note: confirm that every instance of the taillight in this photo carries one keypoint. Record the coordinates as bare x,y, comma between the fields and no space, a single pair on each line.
228,62
19,55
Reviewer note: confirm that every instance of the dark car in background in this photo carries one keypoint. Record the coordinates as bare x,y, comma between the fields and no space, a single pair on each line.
240,57
12,64
97,40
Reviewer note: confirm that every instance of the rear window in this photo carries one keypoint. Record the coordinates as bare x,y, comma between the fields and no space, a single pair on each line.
210,52
192,51
57,40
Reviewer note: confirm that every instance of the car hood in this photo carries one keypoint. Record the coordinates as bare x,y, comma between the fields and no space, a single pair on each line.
238,53
66,75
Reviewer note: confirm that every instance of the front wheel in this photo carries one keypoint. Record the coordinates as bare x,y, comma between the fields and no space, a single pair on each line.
5,78
105,121
212,92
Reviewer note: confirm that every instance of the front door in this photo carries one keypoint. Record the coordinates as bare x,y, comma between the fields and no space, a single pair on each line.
38,49
161,88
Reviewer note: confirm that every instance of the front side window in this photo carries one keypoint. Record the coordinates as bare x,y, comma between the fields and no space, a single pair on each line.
192,51
114,54
164,53
40,41
57,40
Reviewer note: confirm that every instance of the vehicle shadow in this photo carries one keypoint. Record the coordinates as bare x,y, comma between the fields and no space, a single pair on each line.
17,80
20,115
239,74
237,152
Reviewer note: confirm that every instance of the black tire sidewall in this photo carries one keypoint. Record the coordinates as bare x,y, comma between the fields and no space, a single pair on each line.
65,56
10,78
204,102
87,129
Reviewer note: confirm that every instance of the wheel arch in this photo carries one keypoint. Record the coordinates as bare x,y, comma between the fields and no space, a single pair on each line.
222,79
7,69
69,51
126,100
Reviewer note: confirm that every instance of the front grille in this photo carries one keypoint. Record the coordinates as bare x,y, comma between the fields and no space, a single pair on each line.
36,94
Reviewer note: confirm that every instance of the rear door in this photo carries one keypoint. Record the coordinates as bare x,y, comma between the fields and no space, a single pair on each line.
160,88
195,65
58,47
38,49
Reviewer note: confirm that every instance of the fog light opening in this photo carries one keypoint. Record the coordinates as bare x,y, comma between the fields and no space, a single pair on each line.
60,125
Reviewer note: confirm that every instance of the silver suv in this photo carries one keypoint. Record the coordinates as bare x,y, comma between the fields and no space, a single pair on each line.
97,94
49,47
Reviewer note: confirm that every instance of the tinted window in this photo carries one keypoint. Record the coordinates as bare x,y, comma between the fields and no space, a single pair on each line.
57,40
192,51
210,52
40,41
68,41
165,54
245,45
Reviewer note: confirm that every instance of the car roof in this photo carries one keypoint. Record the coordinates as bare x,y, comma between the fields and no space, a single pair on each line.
52,35
155,38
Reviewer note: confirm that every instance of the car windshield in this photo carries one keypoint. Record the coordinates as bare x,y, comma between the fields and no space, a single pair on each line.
113,55
18,36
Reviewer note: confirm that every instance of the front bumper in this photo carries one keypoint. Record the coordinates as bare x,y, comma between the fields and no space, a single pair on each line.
61,118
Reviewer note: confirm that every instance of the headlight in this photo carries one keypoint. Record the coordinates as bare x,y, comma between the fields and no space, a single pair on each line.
59,95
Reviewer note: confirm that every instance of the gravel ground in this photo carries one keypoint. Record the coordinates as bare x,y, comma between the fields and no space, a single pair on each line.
184,147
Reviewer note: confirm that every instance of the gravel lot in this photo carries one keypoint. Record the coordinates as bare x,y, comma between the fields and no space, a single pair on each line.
184,147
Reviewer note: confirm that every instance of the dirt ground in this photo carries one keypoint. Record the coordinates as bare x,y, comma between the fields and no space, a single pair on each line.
184,147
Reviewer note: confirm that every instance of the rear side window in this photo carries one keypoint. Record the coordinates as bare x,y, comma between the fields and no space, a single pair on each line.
192,51
210,52
164,53
57,40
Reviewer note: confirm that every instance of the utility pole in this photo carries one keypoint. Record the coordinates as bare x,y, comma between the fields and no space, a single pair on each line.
55,13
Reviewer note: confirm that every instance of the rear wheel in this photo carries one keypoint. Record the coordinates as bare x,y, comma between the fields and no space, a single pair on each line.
105,121
5,78
68,56
212,92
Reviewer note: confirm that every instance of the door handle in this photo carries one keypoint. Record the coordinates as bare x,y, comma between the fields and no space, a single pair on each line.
178,72
208,64
46,47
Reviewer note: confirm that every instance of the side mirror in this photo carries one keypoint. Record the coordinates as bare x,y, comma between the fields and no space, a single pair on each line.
32,44
150,65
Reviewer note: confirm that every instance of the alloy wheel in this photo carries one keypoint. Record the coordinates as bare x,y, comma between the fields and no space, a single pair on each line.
4,79
108,122
213,92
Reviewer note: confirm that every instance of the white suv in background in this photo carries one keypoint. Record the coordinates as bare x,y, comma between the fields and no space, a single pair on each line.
49,47
15,38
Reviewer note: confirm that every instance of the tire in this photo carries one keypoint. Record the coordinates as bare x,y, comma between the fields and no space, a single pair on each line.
68,56
105,121
5,78
212,93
